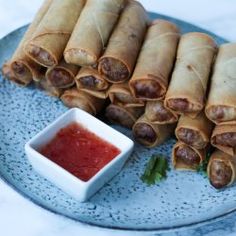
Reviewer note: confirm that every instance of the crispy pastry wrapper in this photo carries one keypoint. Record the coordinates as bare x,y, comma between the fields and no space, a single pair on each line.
118,61
45,85
157,113
22,67
189,80
155,62
121,94
89,78
200,126
49,40
75,98
124,116
221,103
158,133
224,130
179,164
62,75
229,161
92,31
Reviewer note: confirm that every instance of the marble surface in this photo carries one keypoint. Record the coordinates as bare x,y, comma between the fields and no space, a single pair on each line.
20,217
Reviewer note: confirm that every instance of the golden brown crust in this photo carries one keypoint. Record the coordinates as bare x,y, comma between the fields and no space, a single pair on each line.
120,94
49,40
92,31
221,103
181,165
155,62
120,56
187,89
224,130
163,132
201,125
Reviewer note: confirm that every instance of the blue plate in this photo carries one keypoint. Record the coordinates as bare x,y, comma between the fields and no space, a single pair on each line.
184,199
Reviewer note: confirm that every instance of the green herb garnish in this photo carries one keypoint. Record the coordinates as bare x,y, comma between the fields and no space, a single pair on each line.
155,170
202,168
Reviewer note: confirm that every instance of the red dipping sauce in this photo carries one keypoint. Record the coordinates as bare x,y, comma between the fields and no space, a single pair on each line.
79,151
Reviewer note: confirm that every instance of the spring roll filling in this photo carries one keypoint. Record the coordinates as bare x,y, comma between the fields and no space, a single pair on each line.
220,174
147,89
60,78
159,113
222,113
226,139
182,105
118,116
191,137
114,69
21,70
187,156
90,82
41,55
144,133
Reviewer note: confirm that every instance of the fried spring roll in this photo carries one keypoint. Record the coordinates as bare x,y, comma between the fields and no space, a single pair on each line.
124,116
151,135
221,169
224,138
62,75
92,31
89,78
221,103
8,74
157,113
45,85
195,132
155,62
120,94
119,59
49,40
23,68
75,98
187,89
185,157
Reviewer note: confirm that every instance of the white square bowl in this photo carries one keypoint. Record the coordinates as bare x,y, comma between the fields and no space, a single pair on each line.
70,184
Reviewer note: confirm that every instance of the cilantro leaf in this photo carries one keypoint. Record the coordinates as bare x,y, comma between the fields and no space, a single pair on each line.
155,170
202,168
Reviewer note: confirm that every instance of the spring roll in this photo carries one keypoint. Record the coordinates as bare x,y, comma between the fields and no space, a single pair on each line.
221,169
7,73
187,89
224,138
75,98
22,67
50,90
92,31
157,113
124,116
49,40
119,59
120,94
89,78
156,59
62,75
151,135
185,157
195,132
221,103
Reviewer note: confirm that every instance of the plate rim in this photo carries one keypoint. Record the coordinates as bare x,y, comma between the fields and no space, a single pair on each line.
189,226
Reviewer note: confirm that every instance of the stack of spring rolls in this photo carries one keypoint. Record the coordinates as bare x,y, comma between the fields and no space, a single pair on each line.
87,52
221,109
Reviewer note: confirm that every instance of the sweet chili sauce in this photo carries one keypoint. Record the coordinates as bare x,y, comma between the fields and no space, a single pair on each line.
79,151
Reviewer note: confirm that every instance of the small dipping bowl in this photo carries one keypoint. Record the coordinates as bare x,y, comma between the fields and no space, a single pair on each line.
69,183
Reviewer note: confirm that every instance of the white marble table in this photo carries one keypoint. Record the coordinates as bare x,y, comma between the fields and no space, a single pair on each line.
18,216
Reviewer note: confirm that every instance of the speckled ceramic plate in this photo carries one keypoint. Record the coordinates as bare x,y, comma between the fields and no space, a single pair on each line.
182,200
